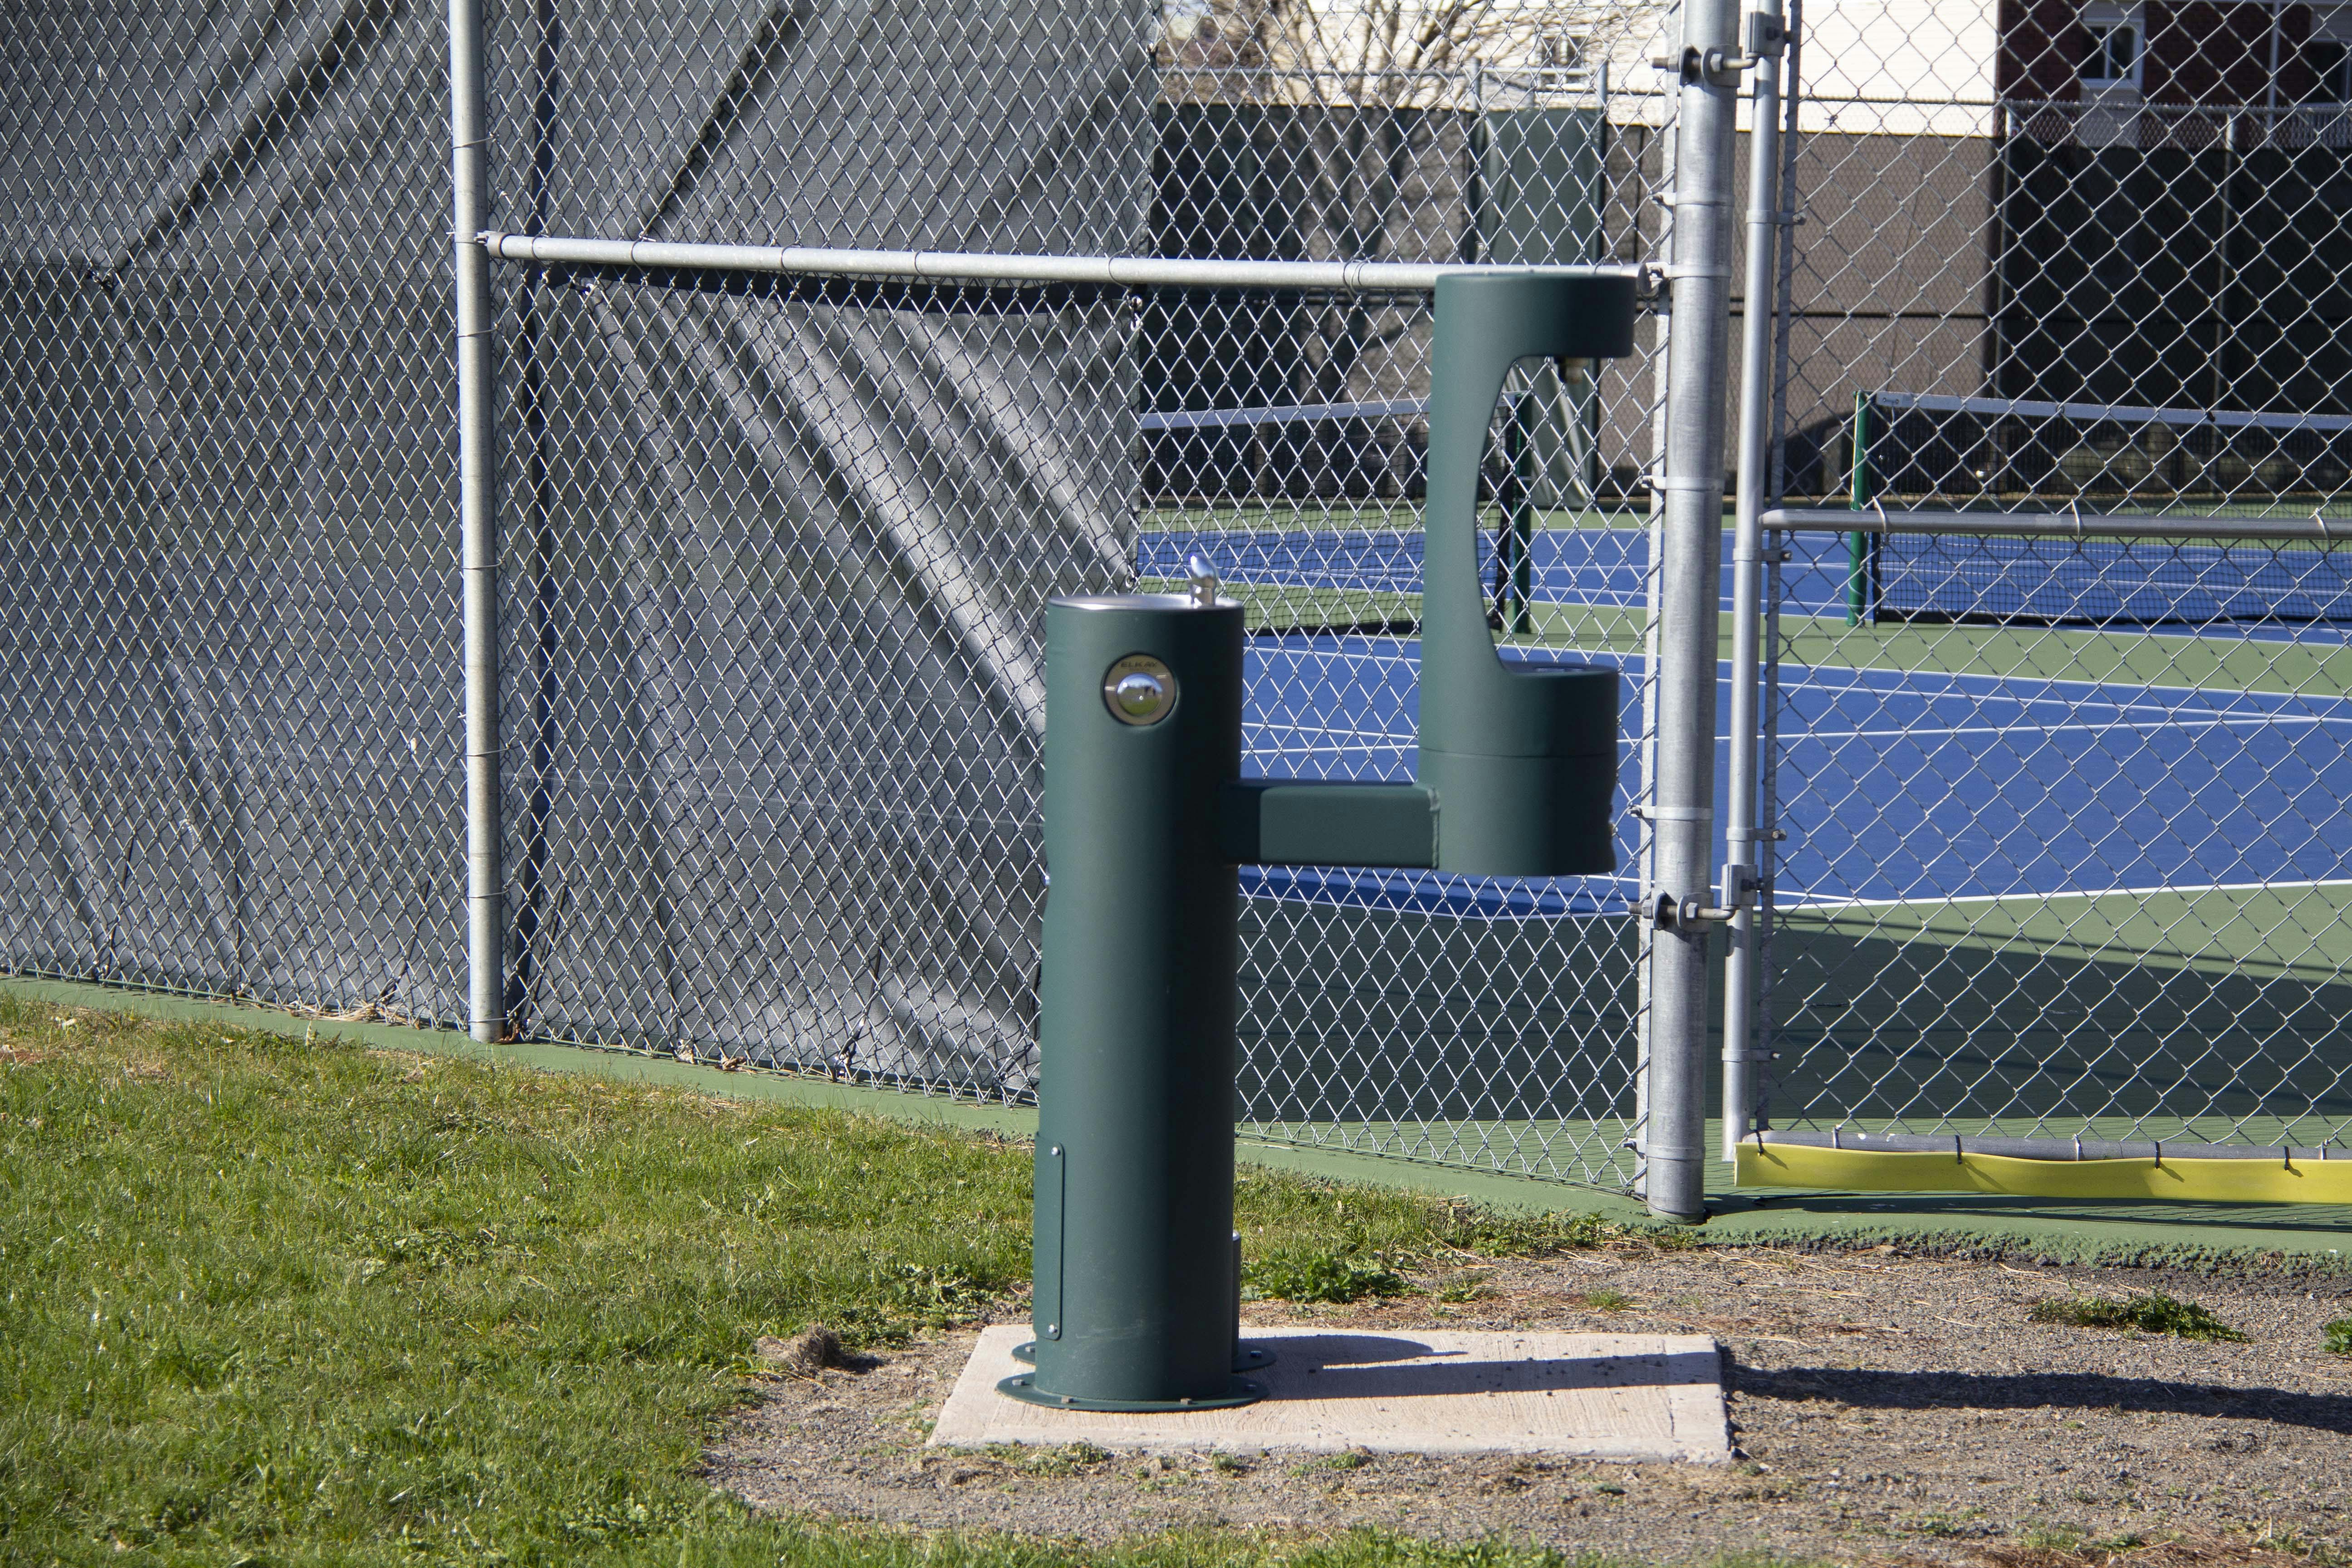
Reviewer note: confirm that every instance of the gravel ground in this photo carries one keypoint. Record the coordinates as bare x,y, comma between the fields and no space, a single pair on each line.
1884,1406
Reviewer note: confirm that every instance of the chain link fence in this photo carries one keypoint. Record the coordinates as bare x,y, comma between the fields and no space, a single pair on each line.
2058,686
232,741
772,541
815,356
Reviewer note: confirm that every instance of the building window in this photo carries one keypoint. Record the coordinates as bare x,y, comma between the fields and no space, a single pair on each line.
2111,53
2327,56
2331,67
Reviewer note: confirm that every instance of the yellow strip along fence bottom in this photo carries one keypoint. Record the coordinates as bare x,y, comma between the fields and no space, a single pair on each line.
2271,1181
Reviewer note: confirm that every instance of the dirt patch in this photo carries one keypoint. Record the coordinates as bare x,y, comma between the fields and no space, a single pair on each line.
1882,1405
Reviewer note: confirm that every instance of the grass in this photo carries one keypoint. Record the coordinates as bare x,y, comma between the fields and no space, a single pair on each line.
2154,1313
276,1301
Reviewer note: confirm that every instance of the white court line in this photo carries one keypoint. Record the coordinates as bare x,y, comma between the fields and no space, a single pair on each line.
1327,738
1367,737
2136,726
1843,677
1816,674
1927,682
1908,732
1801,903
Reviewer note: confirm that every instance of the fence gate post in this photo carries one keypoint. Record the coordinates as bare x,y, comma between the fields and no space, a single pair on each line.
1742,862
1678,901
477,518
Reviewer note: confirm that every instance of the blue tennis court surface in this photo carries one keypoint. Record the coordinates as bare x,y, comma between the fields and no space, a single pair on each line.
1990,787
1591,566
2241,590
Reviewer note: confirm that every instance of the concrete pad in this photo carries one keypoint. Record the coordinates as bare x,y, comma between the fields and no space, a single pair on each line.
1433,1391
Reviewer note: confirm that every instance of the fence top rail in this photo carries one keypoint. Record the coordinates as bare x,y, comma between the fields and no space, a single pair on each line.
2054,525
2115,412
1118,271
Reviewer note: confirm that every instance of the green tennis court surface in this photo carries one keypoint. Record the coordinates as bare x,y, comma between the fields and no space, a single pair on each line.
2041,879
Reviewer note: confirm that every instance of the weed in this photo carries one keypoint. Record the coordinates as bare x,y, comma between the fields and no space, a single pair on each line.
1464,1284
2335,1339
1667,1237
1066,1460
1338,1276
2153,1313
1605,1300
2052,1537
1348,1459
1947,1526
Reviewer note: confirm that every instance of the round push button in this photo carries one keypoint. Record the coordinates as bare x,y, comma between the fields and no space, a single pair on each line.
1139,689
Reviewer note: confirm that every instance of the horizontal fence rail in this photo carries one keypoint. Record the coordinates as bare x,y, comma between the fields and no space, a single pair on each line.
1116,271
2112,413
2056,525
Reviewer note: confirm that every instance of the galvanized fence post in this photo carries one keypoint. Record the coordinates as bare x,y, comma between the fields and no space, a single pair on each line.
1678,902
477,518
1742,869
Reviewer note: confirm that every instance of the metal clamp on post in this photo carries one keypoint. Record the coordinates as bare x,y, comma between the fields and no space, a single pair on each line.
1765,37
1668,912
1716,68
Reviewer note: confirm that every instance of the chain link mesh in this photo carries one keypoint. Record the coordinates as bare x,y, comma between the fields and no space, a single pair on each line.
774,552
232,735
2066,852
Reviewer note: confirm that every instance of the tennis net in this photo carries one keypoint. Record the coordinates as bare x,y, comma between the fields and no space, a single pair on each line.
2099,455
2051,582
1357,567
1938,452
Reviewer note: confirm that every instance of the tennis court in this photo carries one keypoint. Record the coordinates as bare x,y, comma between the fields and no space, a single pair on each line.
2058,785
2036,874
2054,783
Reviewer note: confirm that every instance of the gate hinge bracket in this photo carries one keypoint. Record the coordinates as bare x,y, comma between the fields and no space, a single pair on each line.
1768,36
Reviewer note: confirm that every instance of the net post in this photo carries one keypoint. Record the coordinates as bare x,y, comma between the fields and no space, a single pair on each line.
477,518
1861,548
